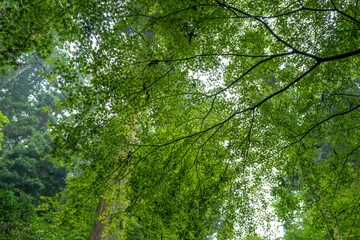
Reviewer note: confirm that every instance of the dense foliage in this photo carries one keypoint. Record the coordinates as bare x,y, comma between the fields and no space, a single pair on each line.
15,217
25,166
18,220
190,113
26,172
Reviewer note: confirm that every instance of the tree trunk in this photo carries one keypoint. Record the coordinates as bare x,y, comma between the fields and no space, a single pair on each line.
104,214
329,221
119,204
99,226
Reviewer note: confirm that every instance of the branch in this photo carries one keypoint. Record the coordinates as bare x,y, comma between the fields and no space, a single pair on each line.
239,112
287,86
327,119
344,14
259,20
207,114
220,55
243,75
340,56
18,72
61,13
315,126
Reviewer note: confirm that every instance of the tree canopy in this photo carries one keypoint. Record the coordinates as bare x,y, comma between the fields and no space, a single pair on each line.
204,108
25,167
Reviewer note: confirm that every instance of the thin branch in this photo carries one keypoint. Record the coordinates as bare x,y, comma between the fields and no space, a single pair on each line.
244,74
313,127
333,3
327,119
18,72
220,55
208,113
286,87
144,89
288,6
261,21
61,13
345,15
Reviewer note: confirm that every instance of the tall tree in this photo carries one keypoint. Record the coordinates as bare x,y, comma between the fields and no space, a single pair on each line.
227,97
25,166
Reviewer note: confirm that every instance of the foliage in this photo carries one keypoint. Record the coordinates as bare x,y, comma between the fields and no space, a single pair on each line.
307,233
27,27
15,217
45,229
19,221
25,163
200,106
25,98
3,119
26,170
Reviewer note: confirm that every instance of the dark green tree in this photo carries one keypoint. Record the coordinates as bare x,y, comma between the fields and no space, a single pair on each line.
25,167
15,216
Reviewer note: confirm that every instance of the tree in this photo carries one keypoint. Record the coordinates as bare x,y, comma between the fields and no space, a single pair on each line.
281,79
26,172
15,217
25,163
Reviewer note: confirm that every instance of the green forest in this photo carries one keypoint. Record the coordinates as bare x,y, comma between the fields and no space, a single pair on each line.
179,119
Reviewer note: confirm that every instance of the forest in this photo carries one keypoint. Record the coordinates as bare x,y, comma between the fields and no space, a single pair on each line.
179,119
